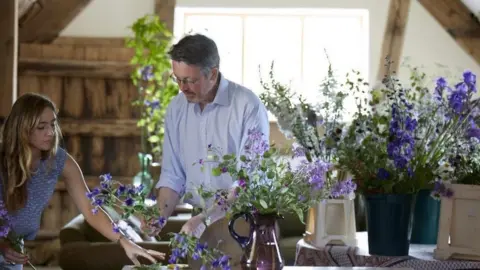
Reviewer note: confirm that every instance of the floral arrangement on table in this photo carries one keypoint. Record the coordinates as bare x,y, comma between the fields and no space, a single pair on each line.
7,233
132,200
401,136
259,173
262,173
318,128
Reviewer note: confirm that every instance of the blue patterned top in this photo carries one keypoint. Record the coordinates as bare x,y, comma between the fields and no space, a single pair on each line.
26,221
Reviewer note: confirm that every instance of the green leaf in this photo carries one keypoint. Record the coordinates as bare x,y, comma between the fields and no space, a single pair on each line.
263,204
216,171
270,174
154,138
300,214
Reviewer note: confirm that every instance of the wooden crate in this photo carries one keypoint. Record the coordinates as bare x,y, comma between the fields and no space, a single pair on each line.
459,228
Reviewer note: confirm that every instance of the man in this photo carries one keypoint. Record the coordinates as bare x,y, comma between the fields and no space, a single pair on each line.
209,110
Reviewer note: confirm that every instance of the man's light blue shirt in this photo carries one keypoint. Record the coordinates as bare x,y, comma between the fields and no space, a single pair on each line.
224,124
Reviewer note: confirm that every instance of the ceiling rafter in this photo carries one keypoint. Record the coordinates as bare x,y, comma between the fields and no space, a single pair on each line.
459,21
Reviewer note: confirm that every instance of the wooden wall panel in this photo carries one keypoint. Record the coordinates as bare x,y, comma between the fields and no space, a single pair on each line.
8,54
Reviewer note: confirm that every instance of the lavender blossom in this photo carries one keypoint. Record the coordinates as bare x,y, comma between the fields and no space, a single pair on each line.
146,73
256,144
343,188
182,245
440,190
316,172
5,221
402,142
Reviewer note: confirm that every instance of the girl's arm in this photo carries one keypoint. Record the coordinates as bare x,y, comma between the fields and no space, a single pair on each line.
77,189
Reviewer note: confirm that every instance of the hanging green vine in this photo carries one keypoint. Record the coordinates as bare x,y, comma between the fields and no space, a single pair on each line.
151,42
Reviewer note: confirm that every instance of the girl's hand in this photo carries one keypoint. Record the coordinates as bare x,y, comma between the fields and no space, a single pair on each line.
12,256
133,251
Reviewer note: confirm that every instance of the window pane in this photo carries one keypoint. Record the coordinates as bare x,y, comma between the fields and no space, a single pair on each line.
226,31
343,38
272,38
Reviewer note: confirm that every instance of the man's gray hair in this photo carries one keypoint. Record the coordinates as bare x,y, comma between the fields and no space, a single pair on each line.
197,50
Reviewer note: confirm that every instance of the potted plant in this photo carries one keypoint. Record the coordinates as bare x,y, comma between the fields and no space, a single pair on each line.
394,148
151,75
318,130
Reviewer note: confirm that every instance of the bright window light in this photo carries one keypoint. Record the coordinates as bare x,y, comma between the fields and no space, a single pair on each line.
249,39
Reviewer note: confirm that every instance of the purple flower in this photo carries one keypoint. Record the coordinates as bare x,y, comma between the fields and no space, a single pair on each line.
343,188
383,174
401,141
116,229
256,143
146,73
473,133
5,221
155,104
440,190
316,172
129,201
439,89
470,80
298,151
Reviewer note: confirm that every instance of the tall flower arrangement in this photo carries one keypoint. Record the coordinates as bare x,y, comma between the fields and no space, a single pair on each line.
318,128
399,138
265,183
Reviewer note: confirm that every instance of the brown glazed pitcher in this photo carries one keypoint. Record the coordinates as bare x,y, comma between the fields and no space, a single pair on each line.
260,248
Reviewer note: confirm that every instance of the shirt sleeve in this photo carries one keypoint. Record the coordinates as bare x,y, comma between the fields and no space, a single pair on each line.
172,174
256,117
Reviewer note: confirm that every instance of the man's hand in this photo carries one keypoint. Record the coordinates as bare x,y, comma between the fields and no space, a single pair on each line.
195,226
153,226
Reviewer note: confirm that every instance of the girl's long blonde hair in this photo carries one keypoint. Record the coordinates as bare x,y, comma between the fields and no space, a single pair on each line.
15,149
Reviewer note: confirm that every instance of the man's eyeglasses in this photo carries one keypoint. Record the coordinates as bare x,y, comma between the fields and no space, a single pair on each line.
184,81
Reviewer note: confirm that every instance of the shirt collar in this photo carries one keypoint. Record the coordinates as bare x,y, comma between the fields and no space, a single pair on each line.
222,97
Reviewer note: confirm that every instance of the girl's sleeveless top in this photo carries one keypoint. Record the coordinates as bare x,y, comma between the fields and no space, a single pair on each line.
26,221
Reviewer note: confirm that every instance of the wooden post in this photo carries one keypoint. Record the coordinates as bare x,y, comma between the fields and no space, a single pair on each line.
165,10
8,54
393,37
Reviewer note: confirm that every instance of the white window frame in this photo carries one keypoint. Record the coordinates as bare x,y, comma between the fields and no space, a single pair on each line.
181,14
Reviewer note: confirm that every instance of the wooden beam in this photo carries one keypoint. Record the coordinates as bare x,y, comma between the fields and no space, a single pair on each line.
165,10
24,6
8,54
100,127
393,37
91,41
459,21
74,68
53,17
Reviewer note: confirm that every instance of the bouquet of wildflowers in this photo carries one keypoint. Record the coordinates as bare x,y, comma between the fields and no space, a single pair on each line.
317,128
265,183
398,143
132,200
8,234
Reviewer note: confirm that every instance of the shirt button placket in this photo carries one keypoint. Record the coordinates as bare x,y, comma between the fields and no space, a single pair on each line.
204,129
